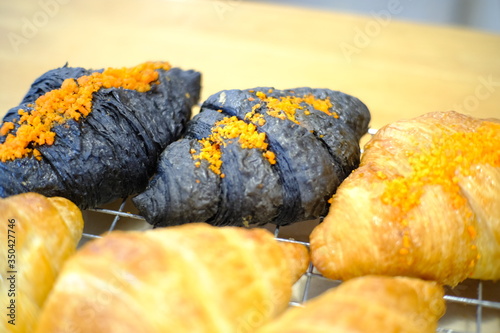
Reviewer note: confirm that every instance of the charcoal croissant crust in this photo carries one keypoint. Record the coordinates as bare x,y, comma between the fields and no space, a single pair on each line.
306,154
113,151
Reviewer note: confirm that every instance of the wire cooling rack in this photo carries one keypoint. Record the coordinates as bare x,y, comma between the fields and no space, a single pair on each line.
472,306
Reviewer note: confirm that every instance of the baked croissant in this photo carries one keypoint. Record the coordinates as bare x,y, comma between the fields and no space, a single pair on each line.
424,203
367,304
93,136
257,156
38,234
190,278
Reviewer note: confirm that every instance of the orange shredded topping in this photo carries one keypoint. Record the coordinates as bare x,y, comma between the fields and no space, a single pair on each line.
443,163
73,100
6,128
248,137
255,117
404,251
225,131
271,157
406,240
472,232
286,107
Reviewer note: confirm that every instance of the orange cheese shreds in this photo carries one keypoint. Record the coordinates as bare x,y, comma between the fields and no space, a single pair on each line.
254,117
443,163
323,105
287,106
245,131
271,157
6,128
73,100
210,152
231,129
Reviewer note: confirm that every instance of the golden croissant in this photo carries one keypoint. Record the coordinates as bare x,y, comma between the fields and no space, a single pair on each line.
367,304
425,202
189,278
37,235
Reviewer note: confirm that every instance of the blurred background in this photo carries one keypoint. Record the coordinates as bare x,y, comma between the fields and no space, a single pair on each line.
400,57
474,14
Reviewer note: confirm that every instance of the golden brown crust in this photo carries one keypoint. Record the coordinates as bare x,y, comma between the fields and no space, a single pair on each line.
298,258
442,228
367,304
189,278
46,231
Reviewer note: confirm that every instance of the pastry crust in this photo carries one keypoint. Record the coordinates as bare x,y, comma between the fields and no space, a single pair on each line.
44,232
93,136
257,156
423,203
367,304
190,278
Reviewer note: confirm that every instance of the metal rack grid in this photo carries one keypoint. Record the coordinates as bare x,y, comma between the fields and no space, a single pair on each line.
472,306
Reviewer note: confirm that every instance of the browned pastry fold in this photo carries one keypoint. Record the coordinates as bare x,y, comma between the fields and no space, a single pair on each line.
37,235
189,278
423,203
367,304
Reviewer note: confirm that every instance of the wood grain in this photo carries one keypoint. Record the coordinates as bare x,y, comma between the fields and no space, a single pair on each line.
399,69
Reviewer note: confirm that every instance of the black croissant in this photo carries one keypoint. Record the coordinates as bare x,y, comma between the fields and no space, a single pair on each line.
94,135
257,156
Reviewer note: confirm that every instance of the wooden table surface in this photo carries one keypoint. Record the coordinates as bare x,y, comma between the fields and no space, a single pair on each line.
398,69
